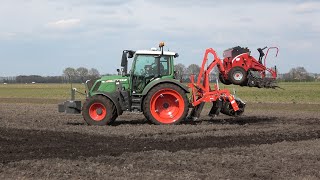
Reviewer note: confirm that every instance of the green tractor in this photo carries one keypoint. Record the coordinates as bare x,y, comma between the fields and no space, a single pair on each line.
151,87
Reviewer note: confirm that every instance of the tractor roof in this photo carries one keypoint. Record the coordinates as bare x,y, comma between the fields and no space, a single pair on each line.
155,52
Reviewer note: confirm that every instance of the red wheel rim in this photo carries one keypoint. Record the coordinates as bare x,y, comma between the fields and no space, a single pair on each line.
97,111
167,106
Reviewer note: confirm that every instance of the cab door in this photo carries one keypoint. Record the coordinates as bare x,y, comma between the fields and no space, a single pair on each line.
146,68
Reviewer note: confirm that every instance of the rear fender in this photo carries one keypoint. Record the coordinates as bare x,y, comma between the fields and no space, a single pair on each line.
160,81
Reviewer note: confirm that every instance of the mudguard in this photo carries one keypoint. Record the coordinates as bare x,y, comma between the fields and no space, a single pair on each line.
160,81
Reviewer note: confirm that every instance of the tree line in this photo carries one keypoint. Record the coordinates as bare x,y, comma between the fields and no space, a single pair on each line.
299,74
70,74
81,74
296,74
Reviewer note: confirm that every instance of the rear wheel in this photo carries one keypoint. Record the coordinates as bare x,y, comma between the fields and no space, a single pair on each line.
99,110
166,104
237,76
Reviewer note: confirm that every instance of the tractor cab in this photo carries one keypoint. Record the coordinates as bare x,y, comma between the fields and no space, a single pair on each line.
147,66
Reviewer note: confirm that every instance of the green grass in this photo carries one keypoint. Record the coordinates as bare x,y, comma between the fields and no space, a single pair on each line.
294,92
39,91
297,92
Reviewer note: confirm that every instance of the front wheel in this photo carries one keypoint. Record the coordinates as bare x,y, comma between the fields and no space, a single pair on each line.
166,104
99,110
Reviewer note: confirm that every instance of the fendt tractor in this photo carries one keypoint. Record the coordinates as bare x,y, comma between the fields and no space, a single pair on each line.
151,87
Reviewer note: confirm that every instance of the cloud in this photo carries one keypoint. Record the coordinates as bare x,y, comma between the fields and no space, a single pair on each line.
307,7
7,35
64,24
84,27
96,2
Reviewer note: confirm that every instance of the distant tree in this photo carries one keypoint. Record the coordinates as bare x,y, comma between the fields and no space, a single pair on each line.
10,79
180,70
298,73
193,69
94,73
30,79
70,73
83,73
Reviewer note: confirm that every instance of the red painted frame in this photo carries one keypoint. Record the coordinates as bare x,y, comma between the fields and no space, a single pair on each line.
201,92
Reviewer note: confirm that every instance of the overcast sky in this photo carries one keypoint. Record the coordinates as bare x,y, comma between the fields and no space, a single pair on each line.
45,36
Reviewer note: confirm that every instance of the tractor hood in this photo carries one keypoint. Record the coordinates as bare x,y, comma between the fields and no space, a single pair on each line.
113,79
108,83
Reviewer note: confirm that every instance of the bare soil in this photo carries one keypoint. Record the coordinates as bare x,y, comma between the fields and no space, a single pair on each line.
270,141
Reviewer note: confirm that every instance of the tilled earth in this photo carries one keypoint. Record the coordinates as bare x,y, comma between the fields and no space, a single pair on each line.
270,141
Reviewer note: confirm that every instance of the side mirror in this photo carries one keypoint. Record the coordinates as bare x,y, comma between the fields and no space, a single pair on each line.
124,62
124,59
176,55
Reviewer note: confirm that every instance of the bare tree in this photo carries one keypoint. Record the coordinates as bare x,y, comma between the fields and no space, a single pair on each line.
70,73
180,70
83,73
94,73
193,69
298,73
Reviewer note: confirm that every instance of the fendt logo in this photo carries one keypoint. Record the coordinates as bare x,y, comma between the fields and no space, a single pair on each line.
114,80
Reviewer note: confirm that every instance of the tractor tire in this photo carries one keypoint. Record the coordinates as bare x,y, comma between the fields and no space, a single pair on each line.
166,104
99,110
224,81
238,76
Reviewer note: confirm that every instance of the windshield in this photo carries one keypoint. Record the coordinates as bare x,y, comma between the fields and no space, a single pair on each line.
145,65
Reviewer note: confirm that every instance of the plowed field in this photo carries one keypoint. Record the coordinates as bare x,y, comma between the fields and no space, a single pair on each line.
270,141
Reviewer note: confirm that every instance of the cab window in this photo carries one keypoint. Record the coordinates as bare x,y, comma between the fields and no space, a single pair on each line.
146,65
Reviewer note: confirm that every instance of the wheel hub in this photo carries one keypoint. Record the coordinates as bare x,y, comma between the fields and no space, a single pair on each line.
99,111
238,76
165,105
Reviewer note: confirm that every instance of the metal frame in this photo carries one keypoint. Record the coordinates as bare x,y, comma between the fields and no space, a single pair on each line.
201,92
